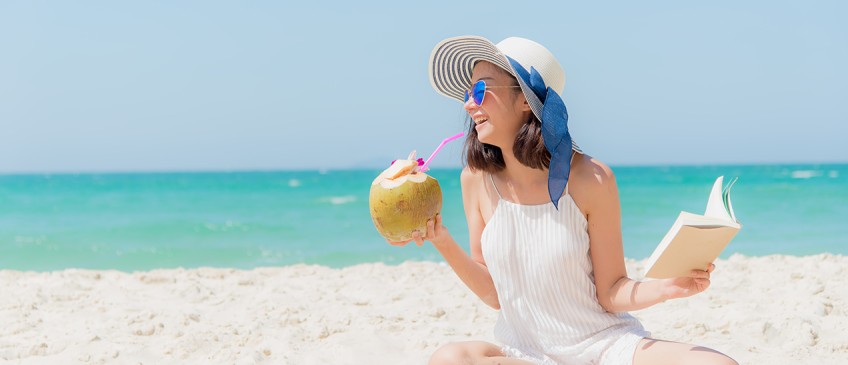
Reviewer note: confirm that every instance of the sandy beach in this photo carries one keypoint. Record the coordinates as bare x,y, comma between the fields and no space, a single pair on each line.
759,310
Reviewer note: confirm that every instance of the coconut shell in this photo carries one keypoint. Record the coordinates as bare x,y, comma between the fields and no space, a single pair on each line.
403,205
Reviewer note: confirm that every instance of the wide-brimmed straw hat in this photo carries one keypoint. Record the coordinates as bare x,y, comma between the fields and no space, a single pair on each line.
540,76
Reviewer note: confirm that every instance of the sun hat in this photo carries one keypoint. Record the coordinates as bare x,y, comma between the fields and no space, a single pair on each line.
540,76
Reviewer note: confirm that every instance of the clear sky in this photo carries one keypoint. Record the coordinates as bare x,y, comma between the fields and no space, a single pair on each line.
247,85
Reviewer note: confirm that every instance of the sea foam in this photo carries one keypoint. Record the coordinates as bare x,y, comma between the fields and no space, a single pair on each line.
805,174
339,200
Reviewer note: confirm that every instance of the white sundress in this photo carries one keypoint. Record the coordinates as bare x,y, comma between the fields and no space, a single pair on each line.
538,257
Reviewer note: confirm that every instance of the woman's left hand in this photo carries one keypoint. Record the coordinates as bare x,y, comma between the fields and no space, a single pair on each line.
682,287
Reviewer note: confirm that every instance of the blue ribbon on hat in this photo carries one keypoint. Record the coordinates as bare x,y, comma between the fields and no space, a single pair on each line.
555,133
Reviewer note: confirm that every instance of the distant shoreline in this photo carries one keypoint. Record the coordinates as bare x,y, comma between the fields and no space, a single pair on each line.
378,168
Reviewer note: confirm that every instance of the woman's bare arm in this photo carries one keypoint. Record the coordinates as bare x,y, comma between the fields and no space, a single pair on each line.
471,269
616,292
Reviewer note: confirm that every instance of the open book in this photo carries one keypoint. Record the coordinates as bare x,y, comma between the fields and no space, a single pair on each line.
694,241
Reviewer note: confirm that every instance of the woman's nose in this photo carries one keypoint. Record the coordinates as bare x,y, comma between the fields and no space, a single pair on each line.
470,106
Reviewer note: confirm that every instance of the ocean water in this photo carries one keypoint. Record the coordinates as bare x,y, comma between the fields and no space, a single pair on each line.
251,219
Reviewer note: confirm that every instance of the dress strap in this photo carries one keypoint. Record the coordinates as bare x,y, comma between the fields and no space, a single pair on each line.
495,186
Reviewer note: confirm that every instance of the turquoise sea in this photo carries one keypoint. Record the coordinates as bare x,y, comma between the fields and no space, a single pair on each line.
250,219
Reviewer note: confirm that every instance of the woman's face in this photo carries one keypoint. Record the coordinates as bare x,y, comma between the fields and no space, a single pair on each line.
504,109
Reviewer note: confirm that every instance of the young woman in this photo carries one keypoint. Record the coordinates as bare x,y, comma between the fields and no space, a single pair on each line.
544,223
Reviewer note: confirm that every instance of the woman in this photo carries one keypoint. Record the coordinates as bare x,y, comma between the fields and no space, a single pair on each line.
544,223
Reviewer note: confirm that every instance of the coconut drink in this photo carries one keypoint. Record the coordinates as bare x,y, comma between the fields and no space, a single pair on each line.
403,198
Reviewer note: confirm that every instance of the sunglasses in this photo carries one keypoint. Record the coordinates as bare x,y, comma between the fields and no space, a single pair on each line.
478,91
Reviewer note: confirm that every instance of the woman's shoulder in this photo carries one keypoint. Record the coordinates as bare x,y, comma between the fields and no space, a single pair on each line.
469,175
477,184
590,175
471,180
476,195
590,168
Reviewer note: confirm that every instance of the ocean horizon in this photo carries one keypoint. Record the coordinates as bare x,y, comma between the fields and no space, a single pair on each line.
246,219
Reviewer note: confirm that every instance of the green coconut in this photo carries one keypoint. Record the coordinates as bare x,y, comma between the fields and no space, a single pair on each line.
403,199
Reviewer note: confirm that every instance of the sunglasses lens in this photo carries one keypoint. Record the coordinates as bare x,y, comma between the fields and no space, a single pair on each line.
466,96
479,92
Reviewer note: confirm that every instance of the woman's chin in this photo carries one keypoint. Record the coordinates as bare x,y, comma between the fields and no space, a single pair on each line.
490,142
483,138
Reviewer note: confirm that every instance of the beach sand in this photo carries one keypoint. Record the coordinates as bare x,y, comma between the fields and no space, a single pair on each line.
759,310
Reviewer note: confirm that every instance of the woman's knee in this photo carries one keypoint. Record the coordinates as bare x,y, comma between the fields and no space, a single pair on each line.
727,361
713,357
453,353
652,351
464,353
716,358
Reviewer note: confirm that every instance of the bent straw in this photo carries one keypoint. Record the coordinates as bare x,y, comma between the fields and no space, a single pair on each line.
451,138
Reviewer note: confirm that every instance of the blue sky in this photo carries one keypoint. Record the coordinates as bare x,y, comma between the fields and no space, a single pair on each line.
203,85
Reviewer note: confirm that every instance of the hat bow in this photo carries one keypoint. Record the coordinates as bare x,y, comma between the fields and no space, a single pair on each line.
555,133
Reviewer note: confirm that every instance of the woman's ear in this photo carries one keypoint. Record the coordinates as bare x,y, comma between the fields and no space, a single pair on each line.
525,106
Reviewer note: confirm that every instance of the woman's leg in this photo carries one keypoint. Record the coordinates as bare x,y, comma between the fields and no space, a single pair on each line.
658,352
472,353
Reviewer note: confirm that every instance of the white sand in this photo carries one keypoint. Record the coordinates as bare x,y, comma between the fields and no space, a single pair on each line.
768,310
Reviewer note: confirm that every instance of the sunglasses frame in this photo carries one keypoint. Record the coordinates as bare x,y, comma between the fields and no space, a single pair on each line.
472,92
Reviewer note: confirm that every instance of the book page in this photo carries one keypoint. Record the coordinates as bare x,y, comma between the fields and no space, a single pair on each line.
696,240
726,198
715,204
695,220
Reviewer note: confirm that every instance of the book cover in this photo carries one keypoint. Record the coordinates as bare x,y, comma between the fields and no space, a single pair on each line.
694,241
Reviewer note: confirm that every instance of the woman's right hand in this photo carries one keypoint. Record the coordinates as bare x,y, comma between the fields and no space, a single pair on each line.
399,243
435,233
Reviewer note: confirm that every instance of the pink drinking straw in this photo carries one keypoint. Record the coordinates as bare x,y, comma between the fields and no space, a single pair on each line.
451,138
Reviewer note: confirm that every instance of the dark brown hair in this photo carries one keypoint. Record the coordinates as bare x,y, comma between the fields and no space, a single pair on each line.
529,148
